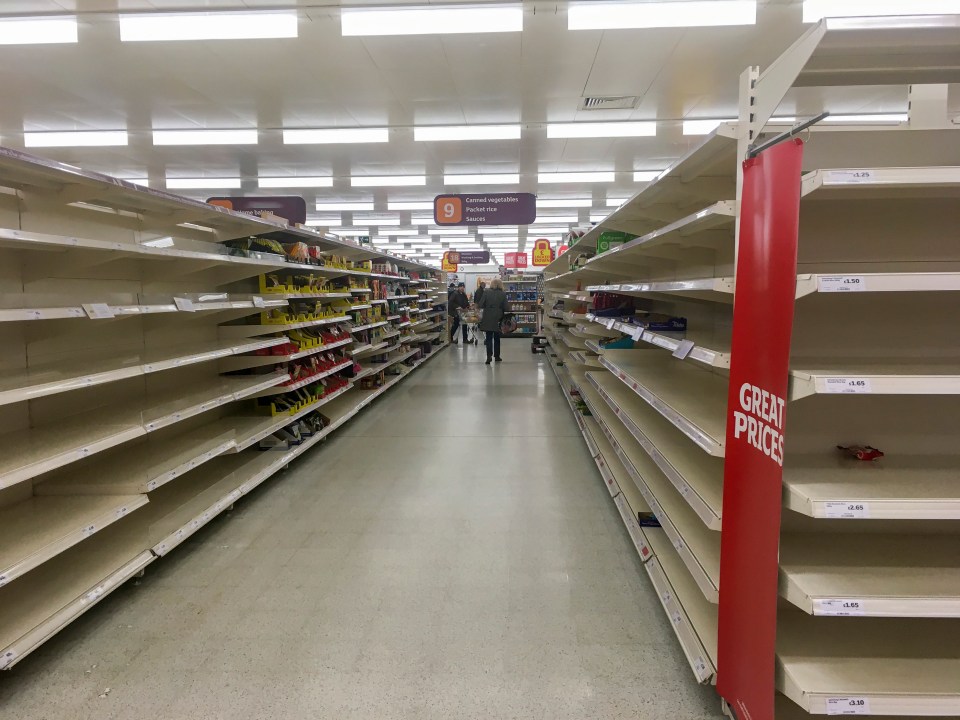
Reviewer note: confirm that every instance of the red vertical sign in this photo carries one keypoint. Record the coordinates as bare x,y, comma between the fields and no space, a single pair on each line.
756,405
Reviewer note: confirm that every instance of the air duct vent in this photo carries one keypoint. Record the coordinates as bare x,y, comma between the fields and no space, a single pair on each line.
614,102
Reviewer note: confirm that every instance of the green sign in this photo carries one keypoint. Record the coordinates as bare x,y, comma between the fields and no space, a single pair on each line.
610,239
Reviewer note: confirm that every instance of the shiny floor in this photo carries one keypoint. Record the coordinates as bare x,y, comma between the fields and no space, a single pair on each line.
450,553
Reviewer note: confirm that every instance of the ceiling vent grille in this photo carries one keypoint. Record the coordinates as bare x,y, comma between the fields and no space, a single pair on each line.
608,102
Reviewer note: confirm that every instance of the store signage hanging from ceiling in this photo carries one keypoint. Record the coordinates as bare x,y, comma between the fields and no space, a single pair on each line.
562,249
485,209
515,260
290,207
542,253
446,265
468,257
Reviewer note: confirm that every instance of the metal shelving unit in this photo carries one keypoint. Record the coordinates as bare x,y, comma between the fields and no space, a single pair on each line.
145,358
869,567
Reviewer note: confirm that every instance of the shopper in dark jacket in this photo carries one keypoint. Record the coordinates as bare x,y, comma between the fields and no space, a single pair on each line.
458,301
493,304
478,295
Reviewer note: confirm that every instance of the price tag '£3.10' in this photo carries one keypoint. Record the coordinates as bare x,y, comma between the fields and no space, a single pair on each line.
848,706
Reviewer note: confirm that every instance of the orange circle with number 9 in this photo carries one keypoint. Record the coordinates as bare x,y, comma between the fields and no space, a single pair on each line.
448,210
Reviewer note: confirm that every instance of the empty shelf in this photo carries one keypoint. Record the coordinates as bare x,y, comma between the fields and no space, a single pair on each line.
64,375
871,575
696,476
694,620
894,488
697,545
180,508
881,183
868,376
719,289
37,529
687,232
693,400
43,601
139,467
887,666
810,284
31,452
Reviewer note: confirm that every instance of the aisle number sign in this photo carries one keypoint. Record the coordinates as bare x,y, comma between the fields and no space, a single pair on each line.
485,209
290,207
446,265
542,253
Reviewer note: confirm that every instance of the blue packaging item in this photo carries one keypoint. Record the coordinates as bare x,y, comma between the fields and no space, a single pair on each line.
622,343
666,325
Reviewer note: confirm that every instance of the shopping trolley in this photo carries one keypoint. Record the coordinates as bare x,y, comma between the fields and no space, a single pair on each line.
471,318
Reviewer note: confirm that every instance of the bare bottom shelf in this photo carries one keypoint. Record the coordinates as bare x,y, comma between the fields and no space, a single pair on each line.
40,603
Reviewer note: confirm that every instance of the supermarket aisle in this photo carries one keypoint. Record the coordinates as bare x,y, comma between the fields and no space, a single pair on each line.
450,554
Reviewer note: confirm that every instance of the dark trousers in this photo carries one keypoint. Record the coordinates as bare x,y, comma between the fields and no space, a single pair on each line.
492,342
458,324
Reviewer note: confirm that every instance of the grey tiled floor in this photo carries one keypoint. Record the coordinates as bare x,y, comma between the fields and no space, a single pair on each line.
450,553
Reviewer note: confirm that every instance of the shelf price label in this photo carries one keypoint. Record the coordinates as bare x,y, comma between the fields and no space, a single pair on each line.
850,176
684,348
841,283
850,510
97,311
839,607
848,706
848,385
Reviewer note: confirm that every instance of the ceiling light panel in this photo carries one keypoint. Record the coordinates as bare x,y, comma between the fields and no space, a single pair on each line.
548,229
203,183
703,127
360,219
891,118
814,10
431,20
207,26
204,137
466,132
482,179
38,30
590,15
387,180
295,182
81,138
576,177
568,203
646,175
601,129
500,230
344,206
616,202
411,205
336,135
554,219
448,231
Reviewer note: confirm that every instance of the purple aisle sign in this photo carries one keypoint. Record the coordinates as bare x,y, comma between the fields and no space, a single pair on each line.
493,209
290,207
468,257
